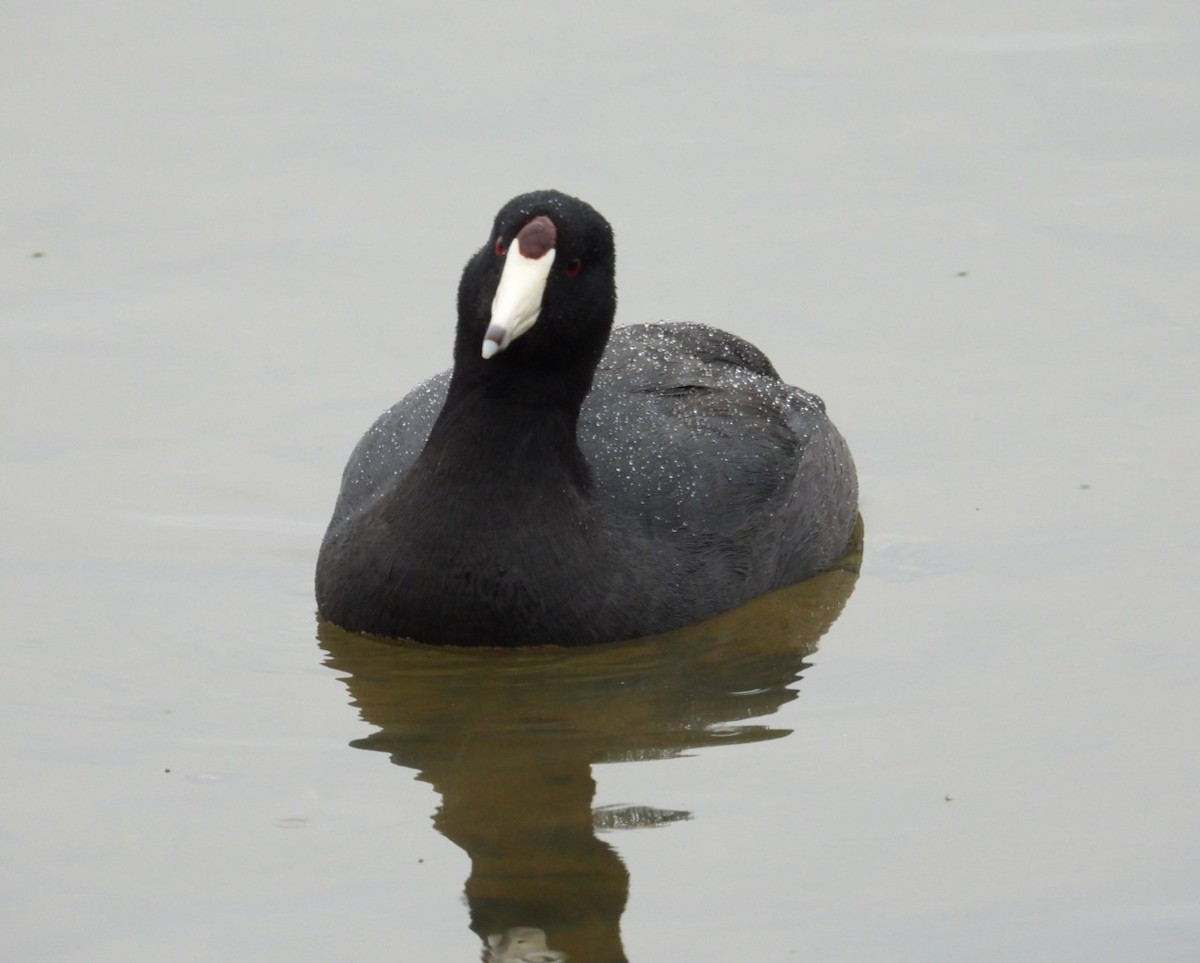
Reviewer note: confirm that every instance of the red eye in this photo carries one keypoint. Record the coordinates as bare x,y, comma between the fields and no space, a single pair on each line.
573,267
499,247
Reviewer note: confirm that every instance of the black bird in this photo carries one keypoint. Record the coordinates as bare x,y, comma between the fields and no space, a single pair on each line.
570,483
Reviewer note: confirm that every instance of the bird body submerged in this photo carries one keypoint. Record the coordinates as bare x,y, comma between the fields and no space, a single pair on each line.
561,486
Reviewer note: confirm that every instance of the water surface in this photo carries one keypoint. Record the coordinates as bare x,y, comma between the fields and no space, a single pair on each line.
231,236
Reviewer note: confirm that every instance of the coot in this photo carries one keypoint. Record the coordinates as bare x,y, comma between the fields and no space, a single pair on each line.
570,483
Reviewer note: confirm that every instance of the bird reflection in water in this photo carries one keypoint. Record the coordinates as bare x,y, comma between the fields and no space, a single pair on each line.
509,737
521,944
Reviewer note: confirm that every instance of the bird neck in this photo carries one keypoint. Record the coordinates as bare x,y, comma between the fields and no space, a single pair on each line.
508,433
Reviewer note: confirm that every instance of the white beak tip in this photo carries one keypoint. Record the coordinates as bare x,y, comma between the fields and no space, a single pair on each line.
495,340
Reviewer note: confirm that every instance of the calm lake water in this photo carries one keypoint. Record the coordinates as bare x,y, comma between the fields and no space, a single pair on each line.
230,235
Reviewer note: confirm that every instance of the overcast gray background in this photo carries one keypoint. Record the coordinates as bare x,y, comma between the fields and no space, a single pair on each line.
230,235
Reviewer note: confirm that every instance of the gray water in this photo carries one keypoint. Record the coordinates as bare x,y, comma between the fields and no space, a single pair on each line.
230,235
